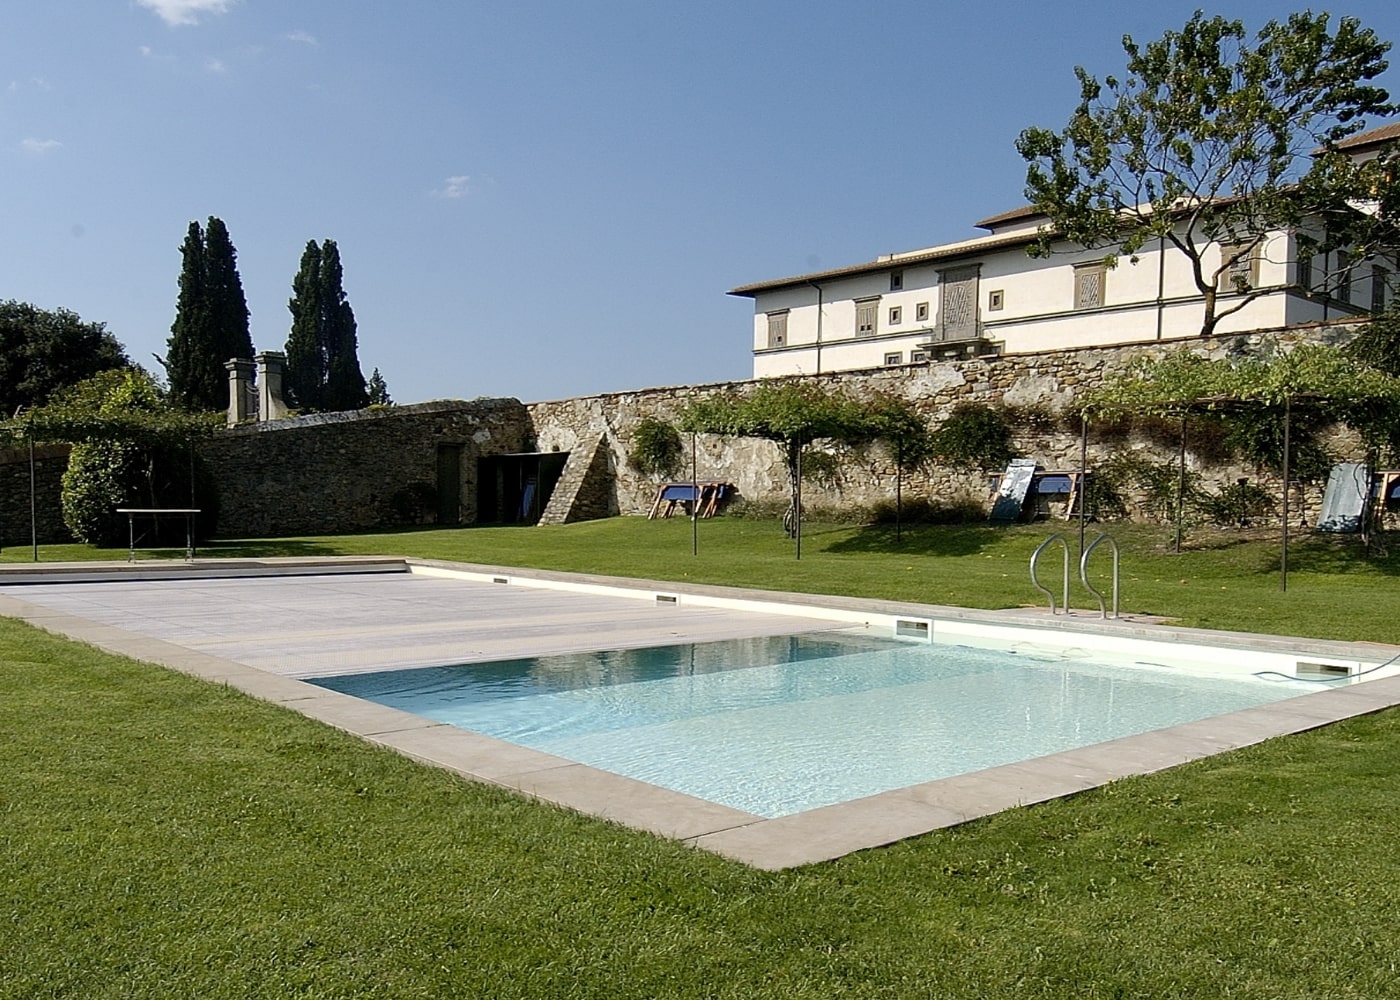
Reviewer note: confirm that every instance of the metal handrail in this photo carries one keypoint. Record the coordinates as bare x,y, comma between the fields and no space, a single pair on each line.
1035,558
1084,573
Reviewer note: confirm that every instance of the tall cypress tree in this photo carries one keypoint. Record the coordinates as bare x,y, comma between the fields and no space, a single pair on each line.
345,382
228,308
323,365
305,378
211,320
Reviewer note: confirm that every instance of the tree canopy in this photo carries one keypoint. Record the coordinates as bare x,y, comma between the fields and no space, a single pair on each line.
43,350
323,366
211,320
1209,140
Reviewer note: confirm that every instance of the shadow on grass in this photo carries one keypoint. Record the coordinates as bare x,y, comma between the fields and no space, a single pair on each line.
254,548
923,539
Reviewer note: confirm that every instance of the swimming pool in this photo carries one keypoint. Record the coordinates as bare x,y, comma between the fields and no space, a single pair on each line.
779,725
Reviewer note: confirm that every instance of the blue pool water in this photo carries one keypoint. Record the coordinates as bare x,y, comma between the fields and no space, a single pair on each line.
778,725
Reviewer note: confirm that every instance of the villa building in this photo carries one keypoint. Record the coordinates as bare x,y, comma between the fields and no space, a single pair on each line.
988,296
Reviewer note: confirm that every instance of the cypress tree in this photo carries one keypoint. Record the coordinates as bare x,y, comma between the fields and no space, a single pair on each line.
323,365
305,378
189,334
345,382
211,320
228,309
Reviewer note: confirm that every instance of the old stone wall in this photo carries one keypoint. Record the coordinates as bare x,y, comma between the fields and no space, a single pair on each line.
50,462
1042,385
337,472
374,469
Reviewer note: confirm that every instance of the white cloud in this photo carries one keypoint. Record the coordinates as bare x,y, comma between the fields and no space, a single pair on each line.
215,66
454,187
305,37
178,12
40,146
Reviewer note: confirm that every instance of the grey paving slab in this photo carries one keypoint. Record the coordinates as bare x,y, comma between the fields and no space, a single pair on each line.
829,832
468,753
627,801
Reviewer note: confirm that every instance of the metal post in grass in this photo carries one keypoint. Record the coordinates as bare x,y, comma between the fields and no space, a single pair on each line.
694,500
797,494
1181,484
1083,476
1283,554
33,502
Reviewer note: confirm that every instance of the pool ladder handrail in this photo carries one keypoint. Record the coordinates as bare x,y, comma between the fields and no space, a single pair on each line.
1035,559
1084,573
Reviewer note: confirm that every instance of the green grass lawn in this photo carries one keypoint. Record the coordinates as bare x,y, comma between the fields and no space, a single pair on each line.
1220,580
164,837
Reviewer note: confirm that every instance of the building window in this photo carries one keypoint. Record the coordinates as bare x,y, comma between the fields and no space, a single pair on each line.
996,299
1305,270
1239,267
896,315
894,358
918,357
1380,278
1342,293
921,313
1088,285
896,281
866,312
777,328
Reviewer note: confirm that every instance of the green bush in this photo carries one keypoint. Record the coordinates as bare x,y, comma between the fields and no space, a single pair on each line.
122,458
656,449
975,436
1238,504
921,510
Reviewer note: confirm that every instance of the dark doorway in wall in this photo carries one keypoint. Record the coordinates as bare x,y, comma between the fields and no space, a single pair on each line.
449,484
514,489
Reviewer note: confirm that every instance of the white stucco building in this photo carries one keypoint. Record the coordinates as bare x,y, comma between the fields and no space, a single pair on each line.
986,295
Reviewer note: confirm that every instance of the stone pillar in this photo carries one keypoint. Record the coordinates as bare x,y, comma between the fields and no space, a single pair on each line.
270,403
240,390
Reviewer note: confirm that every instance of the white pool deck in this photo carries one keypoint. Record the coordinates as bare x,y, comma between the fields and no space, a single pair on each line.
264,626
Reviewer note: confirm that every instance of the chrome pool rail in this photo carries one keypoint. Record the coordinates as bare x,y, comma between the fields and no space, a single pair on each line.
1084,573
1035,559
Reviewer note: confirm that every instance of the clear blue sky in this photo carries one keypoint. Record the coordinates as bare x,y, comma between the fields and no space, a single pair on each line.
538,198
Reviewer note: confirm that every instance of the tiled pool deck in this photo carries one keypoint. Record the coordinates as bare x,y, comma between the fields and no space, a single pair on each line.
253,634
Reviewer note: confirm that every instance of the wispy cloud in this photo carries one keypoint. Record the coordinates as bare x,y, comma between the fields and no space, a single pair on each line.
454,187
179,12
33,83
215,66
39,147
304,37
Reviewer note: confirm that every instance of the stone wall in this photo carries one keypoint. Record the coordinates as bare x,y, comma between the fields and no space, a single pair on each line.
1045,383
375,469
327,473
50,462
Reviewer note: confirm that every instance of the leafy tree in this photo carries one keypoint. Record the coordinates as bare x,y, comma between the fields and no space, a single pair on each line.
42,351
1208,140
323,365
791,414
211,320
906,434
378,390
130,448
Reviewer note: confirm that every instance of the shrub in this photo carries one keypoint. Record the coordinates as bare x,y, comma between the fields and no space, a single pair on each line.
656,449
1238,504
975,436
